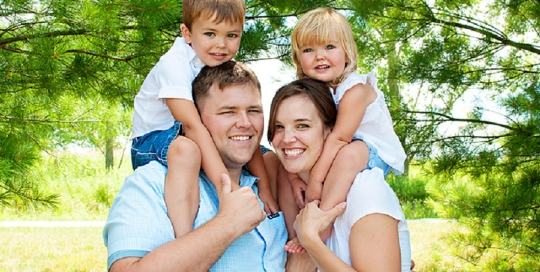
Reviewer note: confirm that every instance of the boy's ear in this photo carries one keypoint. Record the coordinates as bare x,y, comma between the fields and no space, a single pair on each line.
185,33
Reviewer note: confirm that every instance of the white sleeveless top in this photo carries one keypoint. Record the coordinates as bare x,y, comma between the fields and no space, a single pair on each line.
369,194
376,127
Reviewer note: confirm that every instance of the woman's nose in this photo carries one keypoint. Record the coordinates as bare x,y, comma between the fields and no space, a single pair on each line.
289,136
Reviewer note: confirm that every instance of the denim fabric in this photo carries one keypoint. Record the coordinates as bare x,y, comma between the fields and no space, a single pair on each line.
265,149
154,146
376,162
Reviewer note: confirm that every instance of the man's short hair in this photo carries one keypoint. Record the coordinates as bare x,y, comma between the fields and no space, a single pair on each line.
224,75
231,11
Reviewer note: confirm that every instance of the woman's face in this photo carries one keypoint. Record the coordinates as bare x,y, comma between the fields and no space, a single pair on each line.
299,135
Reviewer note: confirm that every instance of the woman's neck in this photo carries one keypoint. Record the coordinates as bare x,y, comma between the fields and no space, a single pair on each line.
304,176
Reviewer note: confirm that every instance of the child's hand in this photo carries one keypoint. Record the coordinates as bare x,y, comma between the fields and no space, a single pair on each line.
270,204
313,191
298,188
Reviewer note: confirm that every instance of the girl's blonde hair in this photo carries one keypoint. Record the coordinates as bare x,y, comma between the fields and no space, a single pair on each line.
322,25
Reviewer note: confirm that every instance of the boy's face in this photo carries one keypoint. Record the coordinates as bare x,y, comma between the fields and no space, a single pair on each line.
213,43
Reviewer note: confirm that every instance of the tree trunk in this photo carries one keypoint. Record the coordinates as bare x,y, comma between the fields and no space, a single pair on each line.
109,149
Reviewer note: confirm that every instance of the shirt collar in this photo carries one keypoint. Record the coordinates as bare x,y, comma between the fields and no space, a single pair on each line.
191,56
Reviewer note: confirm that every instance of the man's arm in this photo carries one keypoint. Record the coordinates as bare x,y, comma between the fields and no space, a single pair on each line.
239,213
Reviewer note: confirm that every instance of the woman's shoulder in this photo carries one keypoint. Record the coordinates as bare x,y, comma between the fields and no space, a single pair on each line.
370,193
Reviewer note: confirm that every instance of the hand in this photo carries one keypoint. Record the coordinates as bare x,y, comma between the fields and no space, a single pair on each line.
240,207
298,188
234,187
313,191
270,204
311,221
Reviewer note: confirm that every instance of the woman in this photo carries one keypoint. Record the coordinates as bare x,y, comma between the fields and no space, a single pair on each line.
371,232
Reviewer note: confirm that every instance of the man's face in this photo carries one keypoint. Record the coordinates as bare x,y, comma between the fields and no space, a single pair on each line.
234,118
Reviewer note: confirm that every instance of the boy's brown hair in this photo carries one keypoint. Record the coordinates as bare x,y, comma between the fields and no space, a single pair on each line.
224,10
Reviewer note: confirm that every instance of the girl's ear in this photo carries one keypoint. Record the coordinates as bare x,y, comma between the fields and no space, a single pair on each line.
185,33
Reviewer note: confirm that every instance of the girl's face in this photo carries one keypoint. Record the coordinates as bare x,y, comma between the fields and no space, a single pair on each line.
324,62
299,135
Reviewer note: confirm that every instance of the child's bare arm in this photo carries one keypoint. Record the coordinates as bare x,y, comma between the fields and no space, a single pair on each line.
298,187
184,111
257,168
352,108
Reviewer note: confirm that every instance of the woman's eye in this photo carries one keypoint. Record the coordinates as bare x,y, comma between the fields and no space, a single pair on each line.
278,127
303,126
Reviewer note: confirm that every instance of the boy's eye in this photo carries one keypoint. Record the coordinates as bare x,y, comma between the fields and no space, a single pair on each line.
307,50
329,47
209,34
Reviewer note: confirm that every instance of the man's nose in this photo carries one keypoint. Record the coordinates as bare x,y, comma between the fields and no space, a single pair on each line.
243,120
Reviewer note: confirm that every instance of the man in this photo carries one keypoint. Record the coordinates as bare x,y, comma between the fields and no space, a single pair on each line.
234,235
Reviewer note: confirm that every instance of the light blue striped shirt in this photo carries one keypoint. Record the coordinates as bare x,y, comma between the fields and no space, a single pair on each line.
138,223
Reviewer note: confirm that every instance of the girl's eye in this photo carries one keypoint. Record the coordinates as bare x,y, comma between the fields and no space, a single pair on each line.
278,127
232,36
330,47
307,50
304,126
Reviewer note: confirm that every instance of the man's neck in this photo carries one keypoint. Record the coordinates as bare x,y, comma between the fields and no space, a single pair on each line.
235,175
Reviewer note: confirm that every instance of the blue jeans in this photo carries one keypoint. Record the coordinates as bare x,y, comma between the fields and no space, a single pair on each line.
376,162
154,146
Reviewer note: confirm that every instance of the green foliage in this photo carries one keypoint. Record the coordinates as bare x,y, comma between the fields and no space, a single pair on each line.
412,192
84,188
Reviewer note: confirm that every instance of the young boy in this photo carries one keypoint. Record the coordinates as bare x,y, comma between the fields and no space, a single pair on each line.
166,124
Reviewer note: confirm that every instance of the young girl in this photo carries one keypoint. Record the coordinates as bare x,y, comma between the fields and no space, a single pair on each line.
323,48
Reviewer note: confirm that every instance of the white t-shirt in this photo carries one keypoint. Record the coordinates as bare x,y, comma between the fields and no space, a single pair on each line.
376,127
369,194
171,77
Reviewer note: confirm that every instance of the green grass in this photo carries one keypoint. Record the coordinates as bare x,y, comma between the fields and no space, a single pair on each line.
52,249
